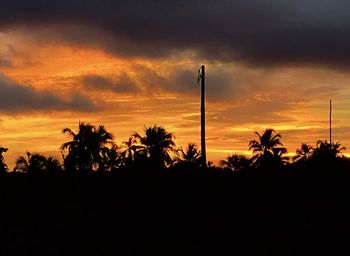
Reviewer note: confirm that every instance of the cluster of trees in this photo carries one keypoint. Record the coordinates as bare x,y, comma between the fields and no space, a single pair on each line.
269,153
92,150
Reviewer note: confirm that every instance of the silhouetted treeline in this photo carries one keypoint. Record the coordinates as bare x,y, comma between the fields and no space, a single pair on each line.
147,197
92,151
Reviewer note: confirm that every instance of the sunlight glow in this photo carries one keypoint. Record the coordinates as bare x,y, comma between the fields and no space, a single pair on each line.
298,112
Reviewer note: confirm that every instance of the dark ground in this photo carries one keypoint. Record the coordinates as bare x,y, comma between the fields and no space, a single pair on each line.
175,215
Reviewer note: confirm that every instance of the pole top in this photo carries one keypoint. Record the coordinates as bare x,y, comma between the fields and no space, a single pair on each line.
200,73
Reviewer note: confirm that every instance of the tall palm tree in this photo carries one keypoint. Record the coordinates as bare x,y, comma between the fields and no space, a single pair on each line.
236,162
3,166
189,156
156,145
33,164
268,149
85,148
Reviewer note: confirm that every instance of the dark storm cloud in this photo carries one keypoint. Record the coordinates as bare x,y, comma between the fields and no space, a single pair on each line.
268,32
121,84
15,97
221,84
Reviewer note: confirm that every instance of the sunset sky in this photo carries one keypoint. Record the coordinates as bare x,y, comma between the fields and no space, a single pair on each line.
126,64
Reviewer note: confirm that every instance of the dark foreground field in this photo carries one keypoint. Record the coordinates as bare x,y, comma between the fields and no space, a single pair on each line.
265,214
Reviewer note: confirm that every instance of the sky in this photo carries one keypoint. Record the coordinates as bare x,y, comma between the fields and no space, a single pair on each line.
131,64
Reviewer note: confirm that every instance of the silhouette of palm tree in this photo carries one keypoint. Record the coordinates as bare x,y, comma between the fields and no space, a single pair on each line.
236,162
53,166
86,147
279,158
190,156
112,159
130,149
303,153
268,149
33,164
157,144
3,166
326,150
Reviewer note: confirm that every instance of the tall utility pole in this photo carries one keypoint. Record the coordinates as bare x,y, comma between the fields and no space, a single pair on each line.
201,77
330,121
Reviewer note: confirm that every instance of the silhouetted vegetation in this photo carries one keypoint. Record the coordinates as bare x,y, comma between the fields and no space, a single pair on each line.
236,163
37,164
303,154
3,166
86,148
147,197
268,150
92,151
156,145
189,157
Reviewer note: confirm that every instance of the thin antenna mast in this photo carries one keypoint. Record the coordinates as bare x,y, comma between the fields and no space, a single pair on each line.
201,76
330,121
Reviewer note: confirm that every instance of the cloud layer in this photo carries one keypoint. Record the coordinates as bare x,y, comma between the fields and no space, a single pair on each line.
15,97
221,84
258,32
121,84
